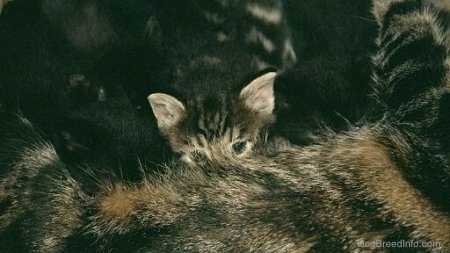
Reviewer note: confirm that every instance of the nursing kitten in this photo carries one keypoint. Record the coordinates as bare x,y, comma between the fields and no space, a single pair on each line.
218,124
214,103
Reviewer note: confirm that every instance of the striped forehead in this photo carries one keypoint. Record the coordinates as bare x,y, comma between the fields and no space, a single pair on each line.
213,117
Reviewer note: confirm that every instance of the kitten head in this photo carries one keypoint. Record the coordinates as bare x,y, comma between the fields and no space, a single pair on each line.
219,125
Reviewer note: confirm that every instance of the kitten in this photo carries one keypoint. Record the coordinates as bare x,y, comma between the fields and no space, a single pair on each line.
217,124
216,48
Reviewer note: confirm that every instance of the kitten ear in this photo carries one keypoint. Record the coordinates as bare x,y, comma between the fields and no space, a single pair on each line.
167,109
258,95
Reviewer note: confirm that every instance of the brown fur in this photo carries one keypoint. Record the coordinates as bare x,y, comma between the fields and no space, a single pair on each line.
407,204
362,163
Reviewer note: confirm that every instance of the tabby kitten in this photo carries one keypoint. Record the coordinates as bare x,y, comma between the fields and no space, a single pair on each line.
216,49
219,124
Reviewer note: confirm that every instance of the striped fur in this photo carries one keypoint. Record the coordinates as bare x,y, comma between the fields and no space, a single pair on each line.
386,182
217,124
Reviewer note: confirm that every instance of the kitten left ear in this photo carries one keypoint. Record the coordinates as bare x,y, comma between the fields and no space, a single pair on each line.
259,95
167,109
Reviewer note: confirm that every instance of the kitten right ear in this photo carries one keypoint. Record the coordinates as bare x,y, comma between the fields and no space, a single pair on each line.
167,109
259,95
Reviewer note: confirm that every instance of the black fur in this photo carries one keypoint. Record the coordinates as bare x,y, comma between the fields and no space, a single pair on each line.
328,86
46,43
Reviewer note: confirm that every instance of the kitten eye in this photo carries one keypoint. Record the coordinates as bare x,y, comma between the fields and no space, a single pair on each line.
240,147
